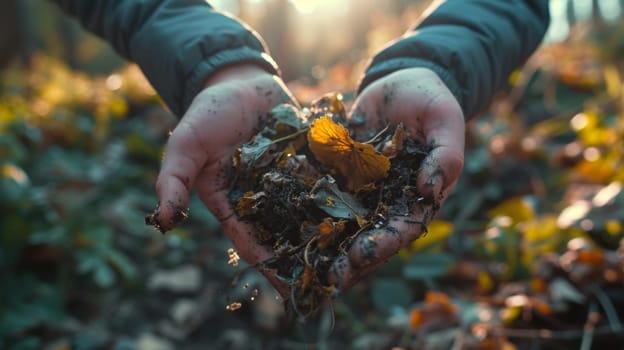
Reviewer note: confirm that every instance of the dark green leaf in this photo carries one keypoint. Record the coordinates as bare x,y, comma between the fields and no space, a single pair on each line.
335,202
26,343
104,276
427,265
251,153
390,292
289,115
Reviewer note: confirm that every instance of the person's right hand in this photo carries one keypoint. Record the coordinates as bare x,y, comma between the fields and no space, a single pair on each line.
418,98
199,152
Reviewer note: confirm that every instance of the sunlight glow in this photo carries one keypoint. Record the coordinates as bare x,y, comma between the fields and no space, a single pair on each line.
559,26
575,212
579,121
607,194
228,5
15,173
577,244
492,233
582,9
591,154
587,224
573,149
529,143
497,144
503,221
114,82
610,10
308,7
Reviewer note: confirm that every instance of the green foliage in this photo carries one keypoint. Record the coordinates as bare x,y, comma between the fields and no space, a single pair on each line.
534,225
389,293
75,180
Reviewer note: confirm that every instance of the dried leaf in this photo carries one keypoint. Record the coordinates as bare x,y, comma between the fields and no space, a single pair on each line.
395,145
359,163
518,209
329,104
252,153
328,230
307,277
290,115
334,202
437,309
248,203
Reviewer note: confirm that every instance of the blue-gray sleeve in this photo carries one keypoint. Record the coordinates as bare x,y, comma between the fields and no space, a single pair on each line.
473,45
177,43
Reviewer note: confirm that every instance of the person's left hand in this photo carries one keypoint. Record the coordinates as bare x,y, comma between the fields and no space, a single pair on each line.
199,152
418,98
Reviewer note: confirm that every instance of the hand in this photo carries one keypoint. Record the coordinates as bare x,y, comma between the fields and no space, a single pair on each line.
431,114
199,152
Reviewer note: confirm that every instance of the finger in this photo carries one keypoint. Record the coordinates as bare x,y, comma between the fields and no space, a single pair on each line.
194,143
183,160
374,248
443,128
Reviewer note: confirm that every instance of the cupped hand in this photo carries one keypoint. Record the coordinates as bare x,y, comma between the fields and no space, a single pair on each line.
418,98
199,151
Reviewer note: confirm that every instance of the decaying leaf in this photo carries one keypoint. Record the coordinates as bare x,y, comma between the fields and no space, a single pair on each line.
248,203
392,147
437,309
328,230
287,114
359,163
253,153
334,202
307,277
329,104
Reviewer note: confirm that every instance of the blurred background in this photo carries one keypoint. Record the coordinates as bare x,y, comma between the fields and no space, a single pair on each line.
530,240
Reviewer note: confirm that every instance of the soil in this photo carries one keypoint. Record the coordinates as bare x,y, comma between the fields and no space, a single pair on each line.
324,213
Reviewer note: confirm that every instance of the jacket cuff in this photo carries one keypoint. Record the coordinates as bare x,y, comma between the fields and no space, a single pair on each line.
205,68
384,68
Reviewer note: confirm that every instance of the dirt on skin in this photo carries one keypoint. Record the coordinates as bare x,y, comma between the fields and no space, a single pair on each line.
310,191
180,214
308,195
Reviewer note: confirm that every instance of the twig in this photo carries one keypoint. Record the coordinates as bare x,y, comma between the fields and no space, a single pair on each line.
378,136
607,306
590,326
290,136
307,248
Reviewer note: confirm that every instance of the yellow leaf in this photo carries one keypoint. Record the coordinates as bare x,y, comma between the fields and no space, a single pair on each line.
437,231
485,283
601,170
357,162
613,80
15,173
518,209
613,227
510,314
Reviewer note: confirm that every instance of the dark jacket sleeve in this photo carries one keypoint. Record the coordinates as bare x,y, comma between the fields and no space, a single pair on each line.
177,43
472,45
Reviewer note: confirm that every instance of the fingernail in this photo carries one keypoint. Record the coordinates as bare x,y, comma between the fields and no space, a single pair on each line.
152,219
431,188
